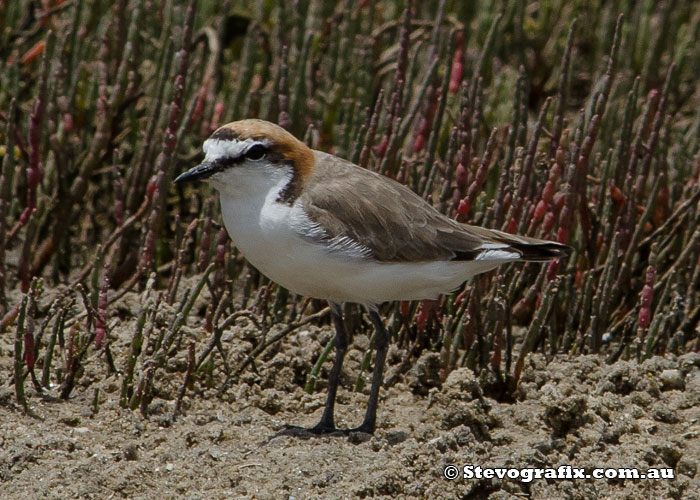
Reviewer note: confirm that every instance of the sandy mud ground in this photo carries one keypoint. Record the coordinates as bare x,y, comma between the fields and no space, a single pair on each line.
579,412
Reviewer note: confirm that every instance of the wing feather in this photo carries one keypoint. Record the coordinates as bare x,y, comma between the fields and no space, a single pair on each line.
352,204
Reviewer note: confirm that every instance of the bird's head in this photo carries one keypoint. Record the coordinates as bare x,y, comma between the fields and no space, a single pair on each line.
246,156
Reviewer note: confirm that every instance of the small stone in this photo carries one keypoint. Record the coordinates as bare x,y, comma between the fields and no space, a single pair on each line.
396,437
468,415
564,414
543,447
70,421
361,342
376,444
672,379
687,467
358,437
662,413
688,361
621,378
462,384
425,373
131,452
649,426
463,435
669,453
649,385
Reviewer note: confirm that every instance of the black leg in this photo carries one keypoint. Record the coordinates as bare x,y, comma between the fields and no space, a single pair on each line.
381,345
327,423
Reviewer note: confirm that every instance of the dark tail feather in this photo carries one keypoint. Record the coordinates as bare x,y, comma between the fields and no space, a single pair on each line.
540,252
530,249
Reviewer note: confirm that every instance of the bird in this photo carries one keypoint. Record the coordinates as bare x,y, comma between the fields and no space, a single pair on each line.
326,228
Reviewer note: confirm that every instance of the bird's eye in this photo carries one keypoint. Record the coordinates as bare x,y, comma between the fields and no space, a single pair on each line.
257,152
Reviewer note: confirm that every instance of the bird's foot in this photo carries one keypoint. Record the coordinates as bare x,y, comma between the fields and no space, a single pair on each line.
366,427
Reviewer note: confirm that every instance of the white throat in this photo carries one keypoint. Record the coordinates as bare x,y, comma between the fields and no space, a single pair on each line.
249,196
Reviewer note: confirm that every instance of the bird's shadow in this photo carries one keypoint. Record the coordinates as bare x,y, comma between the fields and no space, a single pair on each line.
306,433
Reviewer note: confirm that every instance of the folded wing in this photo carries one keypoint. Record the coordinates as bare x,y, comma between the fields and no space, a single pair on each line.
354,209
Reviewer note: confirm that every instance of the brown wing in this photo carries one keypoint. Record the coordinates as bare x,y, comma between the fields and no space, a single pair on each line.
394,223
397,225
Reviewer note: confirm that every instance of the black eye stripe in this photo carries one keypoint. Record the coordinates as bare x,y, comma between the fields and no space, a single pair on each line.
226,162
258,151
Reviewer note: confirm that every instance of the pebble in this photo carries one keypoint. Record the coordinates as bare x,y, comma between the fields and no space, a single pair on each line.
672,379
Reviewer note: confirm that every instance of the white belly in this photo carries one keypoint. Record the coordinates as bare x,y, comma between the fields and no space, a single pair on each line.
266,235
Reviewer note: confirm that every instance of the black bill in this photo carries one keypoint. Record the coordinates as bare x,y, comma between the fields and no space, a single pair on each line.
198,173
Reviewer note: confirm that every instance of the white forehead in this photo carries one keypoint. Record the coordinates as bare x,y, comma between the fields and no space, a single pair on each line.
218,148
